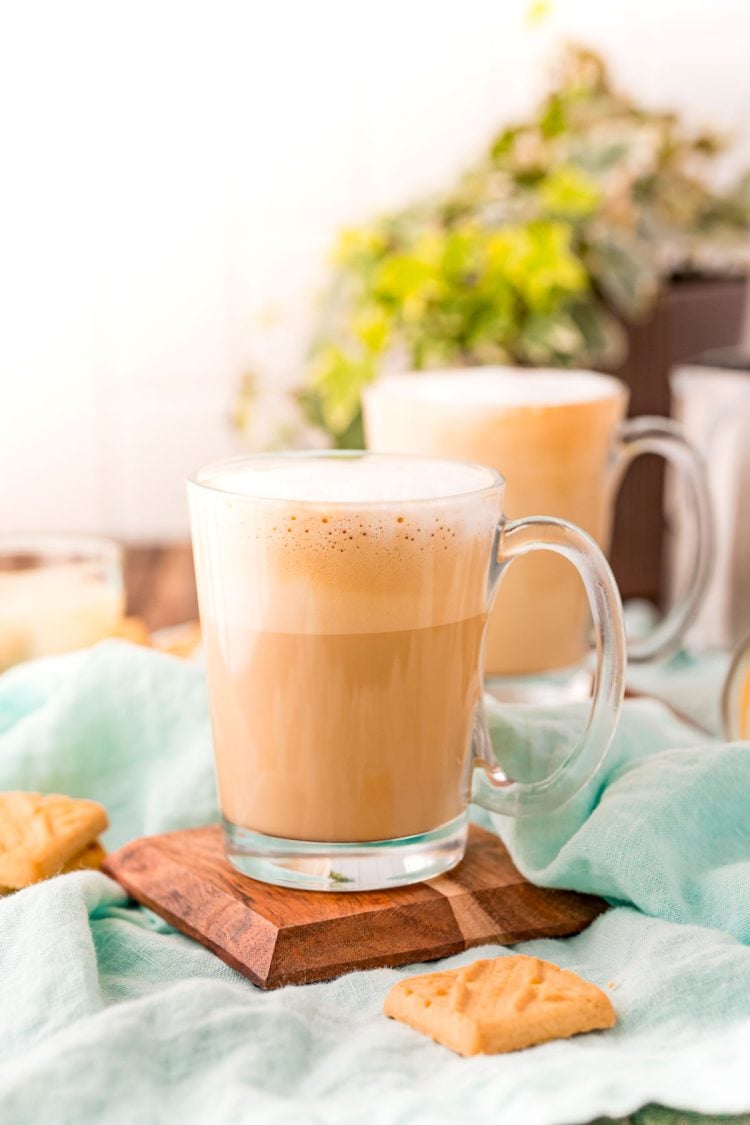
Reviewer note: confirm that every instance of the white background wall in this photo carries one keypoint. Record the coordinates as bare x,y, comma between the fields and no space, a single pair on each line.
172,175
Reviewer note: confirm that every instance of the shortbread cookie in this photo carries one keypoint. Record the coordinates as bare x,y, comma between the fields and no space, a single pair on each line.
90,859
490,1007
133,629
179,640
40,833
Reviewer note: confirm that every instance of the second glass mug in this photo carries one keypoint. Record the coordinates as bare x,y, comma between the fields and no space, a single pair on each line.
563,443
344,599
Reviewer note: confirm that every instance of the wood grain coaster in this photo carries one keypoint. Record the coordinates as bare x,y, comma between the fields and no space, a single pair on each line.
277,936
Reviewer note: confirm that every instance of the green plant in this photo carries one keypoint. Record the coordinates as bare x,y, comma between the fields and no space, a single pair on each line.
566,228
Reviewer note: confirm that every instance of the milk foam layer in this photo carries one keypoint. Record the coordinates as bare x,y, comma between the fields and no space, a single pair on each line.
500,387
362,552
360,478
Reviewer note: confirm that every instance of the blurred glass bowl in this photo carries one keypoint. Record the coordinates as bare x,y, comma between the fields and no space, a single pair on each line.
57,593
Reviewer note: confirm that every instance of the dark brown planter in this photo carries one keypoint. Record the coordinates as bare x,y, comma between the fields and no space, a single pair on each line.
691,317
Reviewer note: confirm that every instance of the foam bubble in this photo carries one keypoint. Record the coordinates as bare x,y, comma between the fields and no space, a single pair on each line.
357,479
500,387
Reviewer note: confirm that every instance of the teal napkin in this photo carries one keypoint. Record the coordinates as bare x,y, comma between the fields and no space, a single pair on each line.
106,1015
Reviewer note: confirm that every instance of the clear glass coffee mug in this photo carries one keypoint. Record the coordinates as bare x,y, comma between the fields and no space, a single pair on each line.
563,443
344,600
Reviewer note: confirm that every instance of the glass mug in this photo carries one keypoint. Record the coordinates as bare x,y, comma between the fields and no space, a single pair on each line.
712,404
344,599
563,444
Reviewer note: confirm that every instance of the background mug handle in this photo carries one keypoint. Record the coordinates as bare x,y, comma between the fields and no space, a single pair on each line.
493,789
666,438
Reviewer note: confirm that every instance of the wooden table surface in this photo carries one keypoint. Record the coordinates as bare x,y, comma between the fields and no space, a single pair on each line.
160,584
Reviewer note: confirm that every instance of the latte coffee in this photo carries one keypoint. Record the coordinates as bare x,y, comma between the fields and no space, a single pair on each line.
344,600
343,611
550,433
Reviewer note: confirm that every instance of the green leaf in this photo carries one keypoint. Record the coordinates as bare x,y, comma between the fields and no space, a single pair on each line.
539,261
353,437
553,118
604,339
338,378
626,271
372,327
503,143
354,246
569,192
245,404
596,155
404,278
545,340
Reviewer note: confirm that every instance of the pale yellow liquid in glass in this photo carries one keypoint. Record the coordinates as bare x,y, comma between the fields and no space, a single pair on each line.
54,608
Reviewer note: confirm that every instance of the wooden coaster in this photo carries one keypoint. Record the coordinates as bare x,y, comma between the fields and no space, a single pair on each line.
277,936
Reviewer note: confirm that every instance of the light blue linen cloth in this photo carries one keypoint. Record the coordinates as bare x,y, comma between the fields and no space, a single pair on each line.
108,1016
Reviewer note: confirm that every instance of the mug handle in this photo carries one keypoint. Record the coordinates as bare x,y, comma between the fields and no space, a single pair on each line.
667,439
495,791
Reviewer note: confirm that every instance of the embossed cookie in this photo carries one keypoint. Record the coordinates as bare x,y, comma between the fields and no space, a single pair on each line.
90,859
133,629
40,833
490,1007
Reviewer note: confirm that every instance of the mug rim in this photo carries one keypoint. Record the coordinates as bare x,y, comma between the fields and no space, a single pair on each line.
496,481
57,546
395,378
686,373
